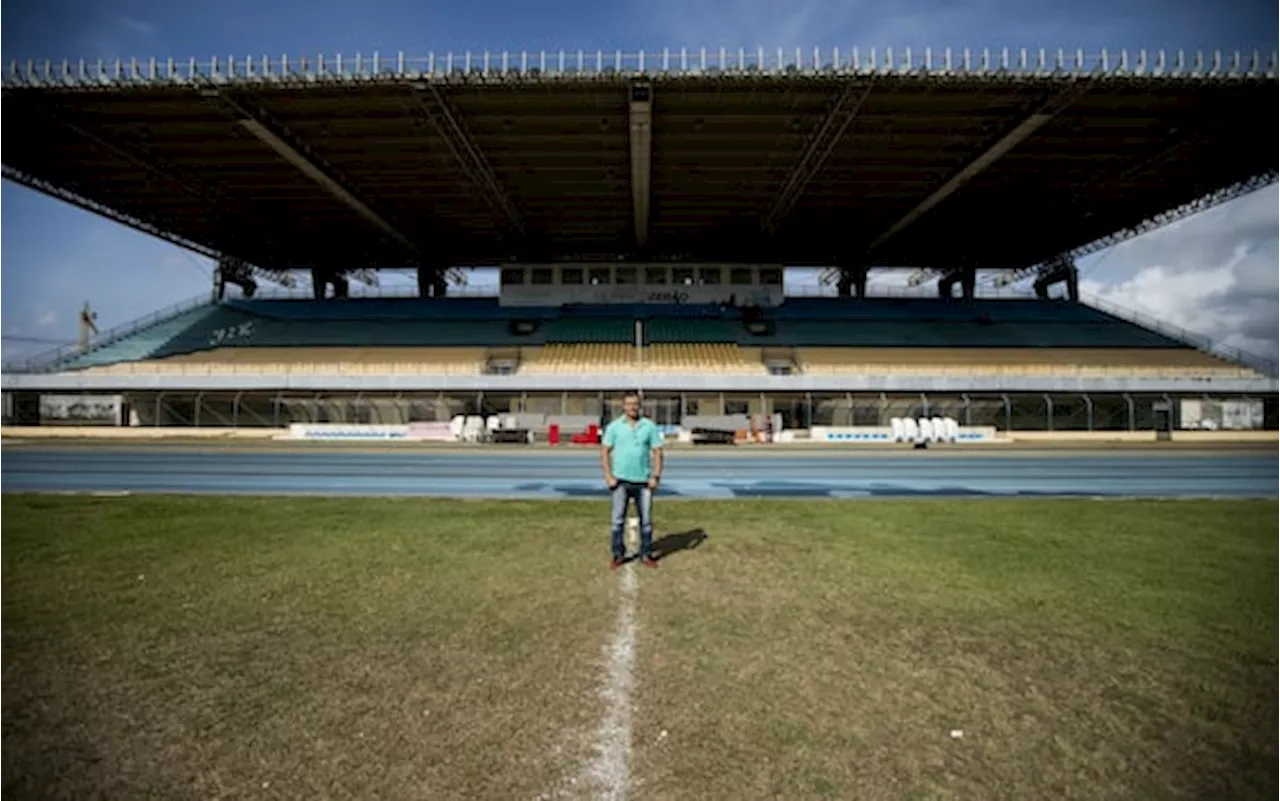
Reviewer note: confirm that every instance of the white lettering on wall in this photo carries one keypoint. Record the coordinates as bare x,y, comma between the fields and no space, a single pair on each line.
231,334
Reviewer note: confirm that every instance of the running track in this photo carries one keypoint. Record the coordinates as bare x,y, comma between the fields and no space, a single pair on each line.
689,474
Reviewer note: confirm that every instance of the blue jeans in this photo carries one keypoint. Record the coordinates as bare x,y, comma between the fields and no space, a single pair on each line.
643,497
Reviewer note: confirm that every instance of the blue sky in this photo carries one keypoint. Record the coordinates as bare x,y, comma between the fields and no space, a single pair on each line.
1215,273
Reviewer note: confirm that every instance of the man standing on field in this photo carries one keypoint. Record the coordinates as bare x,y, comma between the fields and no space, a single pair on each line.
631,457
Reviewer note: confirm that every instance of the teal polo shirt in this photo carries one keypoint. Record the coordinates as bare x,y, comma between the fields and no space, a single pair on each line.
631,459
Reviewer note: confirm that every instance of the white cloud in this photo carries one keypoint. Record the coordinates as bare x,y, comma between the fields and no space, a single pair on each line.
47,319
1214,274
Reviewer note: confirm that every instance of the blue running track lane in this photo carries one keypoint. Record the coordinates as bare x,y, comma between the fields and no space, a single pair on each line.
689,474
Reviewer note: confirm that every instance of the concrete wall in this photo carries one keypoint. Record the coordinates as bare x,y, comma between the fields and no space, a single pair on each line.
106,432
1226,436
1081,436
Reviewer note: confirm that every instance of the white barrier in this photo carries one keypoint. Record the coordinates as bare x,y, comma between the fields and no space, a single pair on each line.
905,429
851,434
342,431
417,432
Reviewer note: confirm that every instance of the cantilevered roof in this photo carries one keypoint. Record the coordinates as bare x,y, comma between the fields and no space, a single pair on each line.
928,159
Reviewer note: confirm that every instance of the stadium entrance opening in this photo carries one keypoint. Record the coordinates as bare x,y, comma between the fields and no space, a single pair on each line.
1162,413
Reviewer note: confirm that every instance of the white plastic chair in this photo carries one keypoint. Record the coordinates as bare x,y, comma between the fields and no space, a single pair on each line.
926,430
939,429
910,431
953,429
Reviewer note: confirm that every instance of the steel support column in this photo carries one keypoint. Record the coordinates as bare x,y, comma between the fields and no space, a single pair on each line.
1166,218
187,184
852,282
273,133
815,153
1042,114
967,277
137,224
433,105
641,129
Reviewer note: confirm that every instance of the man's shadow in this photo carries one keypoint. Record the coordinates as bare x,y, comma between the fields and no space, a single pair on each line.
673,543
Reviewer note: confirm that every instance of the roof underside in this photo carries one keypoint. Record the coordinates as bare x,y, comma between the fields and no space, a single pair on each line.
1114,151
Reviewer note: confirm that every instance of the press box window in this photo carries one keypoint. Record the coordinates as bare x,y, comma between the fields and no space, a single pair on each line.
541,275
512,276
571,275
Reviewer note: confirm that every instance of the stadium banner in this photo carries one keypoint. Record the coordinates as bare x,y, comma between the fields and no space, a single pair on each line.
341,431
633,294
1206,414
868,435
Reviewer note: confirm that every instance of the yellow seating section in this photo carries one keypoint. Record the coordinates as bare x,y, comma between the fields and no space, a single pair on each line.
715,358
577,359
687,358
1073,362
694,358
317,361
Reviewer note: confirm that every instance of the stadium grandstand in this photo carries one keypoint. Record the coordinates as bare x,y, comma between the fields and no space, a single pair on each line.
641,213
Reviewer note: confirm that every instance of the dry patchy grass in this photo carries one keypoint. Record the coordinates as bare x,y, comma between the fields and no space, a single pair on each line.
300,648
201,648
1084,650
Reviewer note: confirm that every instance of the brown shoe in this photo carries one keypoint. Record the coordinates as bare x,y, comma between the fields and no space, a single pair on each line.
649,561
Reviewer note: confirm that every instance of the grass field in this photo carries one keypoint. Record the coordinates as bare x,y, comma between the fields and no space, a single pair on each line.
300,648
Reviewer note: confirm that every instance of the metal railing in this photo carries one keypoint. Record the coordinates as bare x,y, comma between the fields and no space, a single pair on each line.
394,291
455,368
52,360
922,291
1259,364
525,65
366,292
